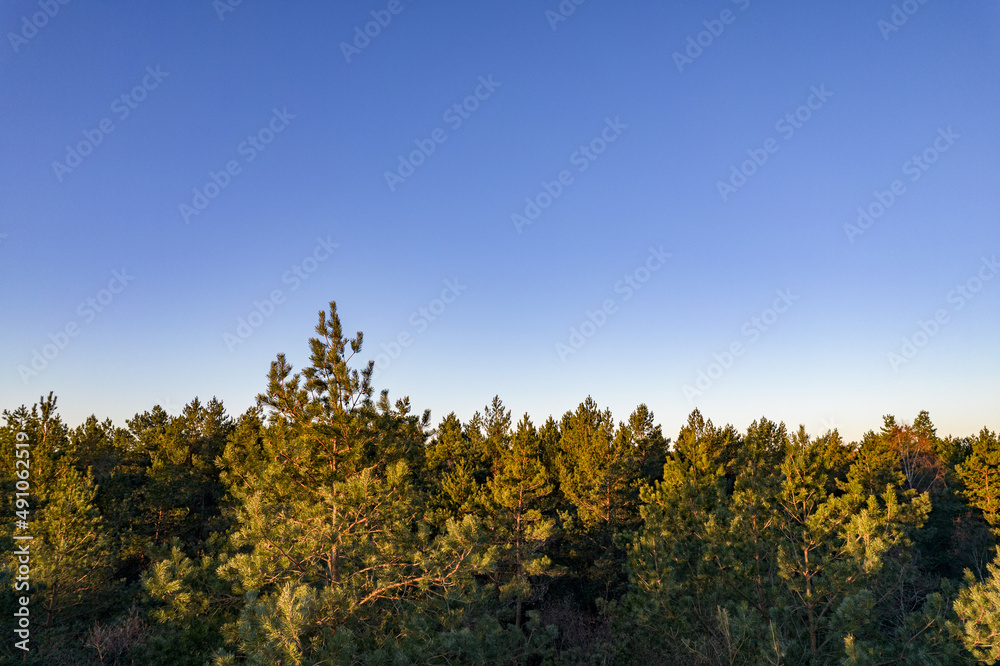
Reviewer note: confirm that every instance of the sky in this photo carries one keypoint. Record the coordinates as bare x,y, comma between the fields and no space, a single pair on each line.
785,210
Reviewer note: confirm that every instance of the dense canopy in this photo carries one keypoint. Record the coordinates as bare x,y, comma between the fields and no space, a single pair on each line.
330,525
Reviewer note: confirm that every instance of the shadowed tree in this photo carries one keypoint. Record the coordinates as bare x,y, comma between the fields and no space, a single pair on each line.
520,491
183,493
599,476
978,611
980,476
673,595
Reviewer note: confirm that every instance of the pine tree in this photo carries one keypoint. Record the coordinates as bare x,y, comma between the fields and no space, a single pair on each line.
71,554
519,492
189,604
182,493
744,542
47,439
493,432
331,551
458,462
73,560
646,436
978,611
875,462
599,476
808,547
880,586
980,476
673,597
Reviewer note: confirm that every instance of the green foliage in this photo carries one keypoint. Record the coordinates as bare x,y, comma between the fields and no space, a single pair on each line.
188,604
182,493
978,611
330,525
459,466
673,596
519,493
980,476
72,561
599,473
331,549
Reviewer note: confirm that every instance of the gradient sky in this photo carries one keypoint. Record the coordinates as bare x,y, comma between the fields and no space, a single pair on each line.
823,362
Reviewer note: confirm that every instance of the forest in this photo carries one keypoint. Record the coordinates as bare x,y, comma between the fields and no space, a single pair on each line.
329,524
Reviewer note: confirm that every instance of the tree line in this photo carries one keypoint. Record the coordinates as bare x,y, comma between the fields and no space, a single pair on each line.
330,525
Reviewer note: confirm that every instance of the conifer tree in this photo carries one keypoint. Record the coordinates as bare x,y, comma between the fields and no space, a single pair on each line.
47,439
519,491
876,463
330,548
71,564
672,593
463,460
980,476
454,466
599,476
647,438
182,492
978,611
494,430
879,585
808,546
744,540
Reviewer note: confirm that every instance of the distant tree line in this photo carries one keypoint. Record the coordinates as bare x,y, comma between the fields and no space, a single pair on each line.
328,525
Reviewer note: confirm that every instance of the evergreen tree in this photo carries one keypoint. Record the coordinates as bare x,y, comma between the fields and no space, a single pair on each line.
978,611
47,439
331,552
494,430
519,492
71,553
71,566
875,462
648,442
980,476
73,560
455,466
599,476
672,596
182,493
744,540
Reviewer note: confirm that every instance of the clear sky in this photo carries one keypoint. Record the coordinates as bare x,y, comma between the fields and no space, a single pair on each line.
689,174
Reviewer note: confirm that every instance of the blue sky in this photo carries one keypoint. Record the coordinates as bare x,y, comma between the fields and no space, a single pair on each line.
619,100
